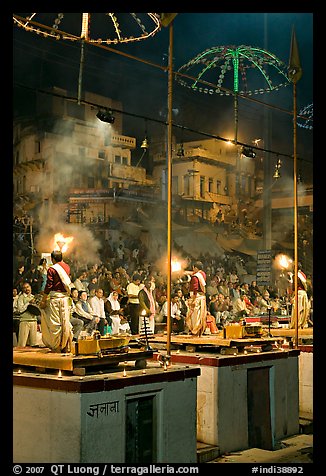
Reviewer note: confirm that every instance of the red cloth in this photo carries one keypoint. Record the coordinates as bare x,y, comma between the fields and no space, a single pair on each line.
53,282
211,324
194,283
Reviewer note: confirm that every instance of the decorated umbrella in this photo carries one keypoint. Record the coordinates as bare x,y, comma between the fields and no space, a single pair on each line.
307,113
212,66
117,28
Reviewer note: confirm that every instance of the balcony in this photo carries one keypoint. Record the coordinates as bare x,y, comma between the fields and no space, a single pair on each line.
123,141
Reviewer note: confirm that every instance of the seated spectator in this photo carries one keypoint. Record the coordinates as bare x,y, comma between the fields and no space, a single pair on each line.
33,276
177,321
116,284
28,320
233,277
212,287
79,282
212,305
16,316
75,321
235,292
97,305
249,304
93,286
223,288
112,309
263,302
253,291
183,308
220,308
240,309
211,327
276,304
85,313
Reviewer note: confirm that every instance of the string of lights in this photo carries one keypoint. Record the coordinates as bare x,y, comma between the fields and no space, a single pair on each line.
100,107
183,75
29,24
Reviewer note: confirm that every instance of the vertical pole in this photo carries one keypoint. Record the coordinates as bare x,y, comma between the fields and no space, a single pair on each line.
236,117
235,61
295,193
81,67
267,185
169,180
83,35
295,73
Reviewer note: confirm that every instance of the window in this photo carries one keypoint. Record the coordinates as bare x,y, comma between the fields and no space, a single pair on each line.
175,185
218,186
117,159
76,180
186,185
105,182
243,183
210,184
202,186
37,146
90,182
100,168
101,154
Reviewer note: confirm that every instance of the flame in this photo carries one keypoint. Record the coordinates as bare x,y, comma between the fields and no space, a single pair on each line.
175,265
283,261
61,242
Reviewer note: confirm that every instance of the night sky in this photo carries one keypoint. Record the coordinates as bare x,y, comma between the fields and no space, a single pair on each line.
42,62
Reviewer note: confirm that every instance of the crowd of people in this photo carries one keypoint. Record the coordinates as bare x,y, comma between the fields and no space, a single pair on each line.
125,291
54,304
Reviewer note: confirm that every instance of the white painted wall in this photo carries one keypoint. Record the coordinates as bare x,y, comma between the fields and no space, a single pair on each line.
306,384
46,425
222,416
54,427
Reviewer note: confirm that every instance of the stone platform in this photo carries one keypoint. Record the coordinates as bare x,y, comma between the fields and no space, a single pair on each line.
42,359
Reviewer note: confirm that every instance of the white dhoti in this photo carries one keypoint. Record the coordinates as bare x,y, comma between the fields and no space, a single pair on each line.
55,323
303,311
196,315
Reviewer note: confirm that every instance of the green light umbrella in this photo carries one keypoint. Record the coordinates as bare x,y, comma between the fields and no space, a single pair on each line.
227,70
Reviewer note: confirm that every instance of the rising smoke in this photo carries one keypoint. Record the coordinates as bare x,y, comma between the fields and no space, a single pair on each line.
68,171
84,247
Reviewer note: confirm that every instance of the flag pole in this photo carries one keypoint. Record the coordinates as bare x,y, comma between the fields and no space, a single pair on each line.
169,176
83,37
295,73
295,193
167,20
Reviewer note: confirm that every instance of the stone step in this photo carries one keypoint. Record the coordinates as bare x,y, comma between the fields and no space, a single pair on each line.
306,426
206,452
